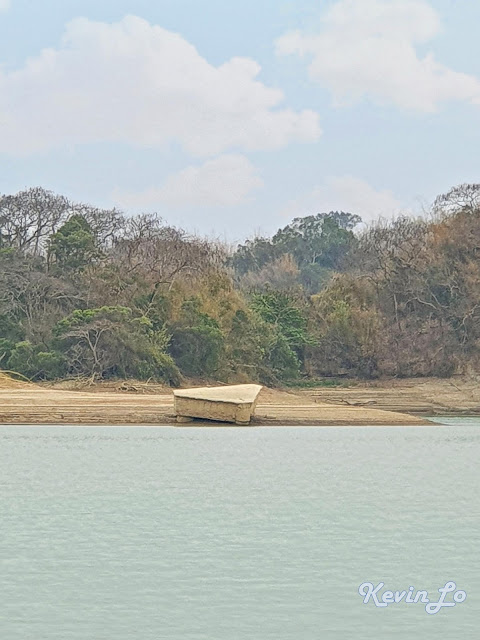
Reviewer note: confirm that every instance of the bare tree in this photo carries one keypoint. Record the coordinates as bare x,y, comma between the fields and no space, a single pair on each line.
28,218
108,225
162,253
464,197
34,298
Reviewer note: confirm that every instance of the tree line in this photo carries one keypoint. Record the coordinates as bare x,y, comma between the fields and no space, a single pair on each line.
88,292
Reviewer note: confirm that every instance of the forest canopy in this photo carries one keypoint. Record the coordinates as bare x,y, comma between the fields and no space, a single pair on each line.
88,292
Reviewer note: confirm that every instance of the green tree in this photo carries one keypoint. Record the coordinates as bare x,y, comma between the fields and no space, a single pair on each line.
197,342
6,348
282,360
35,363
286,349
73,247
322,239
253,255
113,341
278,309
317,245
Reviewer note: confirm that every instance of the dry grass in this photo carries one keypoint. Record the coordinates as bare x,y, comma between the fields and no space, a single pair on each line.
7,382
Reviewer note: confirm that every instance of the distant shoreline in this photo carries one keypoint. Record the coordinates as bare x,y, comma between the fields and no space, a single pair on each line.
405,402
31,404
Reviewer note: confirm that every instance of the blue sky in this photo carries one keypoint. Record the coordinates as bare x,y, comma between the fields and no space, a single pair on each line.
231,118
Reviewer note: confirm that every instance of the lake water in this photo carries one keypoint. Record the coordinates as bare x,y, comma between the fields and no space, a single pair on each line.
236,533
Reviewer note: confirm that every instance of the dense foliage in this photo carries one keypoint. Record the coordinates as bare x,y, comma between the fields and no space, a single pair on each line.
94,293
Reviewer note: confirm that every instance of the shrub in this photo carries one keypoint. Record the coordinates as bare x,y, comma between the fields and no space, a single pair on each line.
113,341
197,343
33,363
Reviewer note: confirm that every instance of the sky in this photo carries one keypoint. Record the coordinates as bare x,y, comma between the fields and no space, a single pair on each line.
231,118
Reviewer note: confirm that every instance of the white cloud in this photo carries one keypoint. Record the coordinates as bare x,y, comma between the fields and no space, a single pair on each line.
141,84
224,181
368,48
4,5
346,193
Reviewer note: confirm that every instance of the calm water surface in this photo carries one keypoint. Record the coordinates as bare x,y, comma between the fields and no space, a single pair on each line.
236,534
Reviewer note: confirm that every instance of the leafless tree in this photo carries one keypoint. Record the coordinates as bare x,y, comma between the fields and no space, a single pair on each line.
108,225
464,197
35,297
28,218
163,253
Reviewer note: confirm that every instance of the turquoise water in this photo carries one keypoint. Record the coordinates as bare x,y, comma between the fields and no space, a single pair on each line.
235,534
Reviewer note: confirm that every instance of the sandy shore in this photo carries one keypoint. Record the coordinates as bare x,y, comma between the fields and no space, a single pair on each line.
420,396
22,403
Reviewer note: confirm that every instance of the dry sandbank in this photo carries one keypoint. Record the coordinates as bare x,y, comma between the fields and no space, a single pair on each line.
34,404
